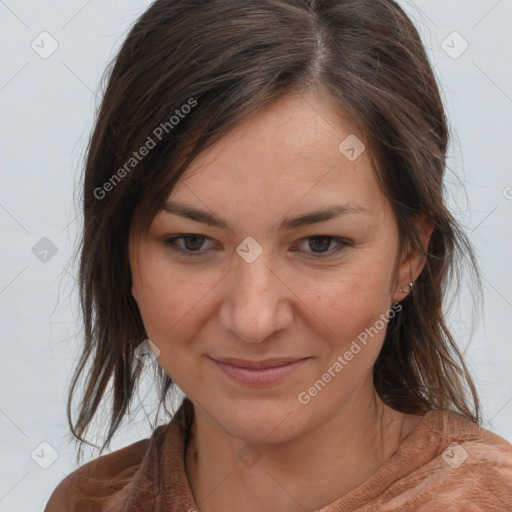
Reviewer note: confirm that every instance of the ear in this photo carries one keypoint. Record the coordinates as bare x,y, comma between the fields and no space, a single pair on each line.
412,260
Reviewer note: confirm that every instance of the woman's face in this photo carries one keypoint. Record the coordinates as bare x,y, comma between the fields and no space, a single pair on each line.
262,280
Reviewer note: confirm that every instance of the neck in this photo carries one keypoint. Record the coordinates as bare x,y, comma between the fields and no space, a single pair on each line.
307,472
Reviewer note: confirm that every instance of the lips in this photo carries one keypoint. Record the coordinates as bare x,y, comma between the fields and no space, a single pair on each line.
258,365
262,373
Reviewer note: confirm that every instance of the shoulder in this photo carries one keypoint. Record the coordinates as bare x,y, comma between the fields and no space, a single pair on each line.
471,466
101,479
456,429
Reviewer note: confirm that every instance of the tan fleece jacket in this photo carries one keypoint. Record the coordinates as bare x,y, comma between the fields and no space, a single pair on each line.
447,463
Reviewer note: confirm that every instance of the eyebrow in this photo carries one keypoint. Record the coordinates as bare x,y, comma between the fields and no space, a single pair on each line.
314,217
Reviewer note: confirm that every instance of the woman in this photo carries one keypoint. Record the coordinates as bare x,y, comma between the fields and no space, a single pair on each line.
263,205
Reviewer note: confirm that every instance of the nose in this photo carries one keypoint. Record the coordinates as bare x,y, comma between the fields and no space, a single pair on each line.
257,302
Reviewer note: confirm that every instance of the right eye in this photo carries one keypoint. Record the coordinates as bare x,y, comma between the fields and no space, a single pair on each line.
189,246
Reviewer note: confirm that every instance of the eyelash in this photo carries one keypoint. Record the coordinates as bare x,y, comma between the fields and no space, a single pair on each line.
170,242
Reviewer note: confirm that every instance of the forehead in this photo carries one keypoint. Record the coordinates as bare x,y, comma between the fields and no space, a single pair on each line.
286,156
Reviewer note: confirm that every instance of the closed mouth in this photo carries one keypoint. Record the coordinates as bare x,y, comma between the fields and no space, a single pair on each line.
259,365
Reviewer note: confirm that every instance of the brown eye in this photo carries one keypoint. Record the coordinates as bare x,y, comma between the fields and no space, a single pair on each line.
193,242
319,245
189,245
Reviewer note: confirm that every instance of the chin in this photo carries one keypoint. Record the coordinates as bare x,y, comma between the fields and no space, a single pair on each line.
266,421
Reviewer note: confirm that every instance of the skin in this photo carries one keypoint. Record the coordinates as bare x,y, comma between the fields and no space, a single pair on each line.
281,162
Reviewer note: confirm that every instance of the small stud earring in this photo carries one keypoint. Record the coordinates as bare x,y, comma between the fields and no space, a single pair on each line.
403,291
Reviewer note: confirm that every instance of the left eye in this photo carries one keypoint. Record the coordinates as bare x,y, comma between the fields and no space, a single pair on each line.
191,245
319,244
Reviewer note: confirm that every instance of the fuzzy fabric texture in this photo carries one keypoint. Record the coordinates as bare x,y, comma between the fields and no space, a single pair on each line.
447,463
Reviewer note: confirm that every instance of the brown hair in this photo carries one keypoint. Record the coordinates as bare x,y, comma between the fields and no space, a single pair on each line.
226,59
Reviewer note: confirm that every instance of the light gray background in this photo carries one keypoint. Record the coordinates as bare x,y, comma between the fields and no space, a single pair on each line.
47,107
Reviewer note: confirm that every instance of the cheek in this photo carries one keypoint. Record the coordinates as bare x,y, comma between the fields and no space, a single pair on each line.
349,301
165,310
172,310
170,303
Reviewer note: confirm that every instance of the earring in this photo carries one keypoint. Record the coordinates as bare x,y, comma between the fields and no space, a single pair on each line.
403,291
